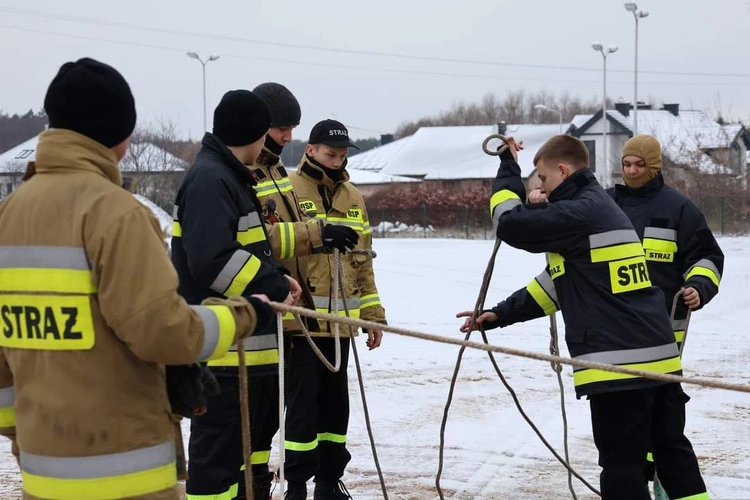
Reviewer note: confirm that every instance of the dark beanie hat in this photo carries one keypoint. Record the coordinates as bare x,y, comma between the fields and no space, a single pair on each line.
285,110
93,99
241,118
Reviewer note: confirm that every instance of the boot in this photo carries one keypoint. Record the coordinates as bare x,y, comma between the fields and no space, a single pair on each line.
262,486
296,491
330,489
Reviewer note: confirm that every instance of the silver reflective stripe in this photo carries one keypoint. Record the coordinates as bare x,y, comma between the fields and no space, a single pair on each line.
44,257
7,397
545,280
115,464
222,282
615,237
322,302
503,207
627,356
248,221
174,212
660,233
704,263
679,324
258,343
210,329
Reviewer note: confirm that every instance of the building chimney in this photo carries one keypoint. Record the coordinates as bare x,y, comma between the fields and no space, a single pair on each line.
672,108
385,139
623,108
502,127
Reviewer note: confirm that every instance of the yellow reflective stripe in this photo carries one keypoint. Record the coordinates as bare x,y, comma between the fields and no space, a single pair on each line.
101,488
501,197
703,271
679,335
230,494
370,300
49,280
288,316
295,446
699,496
227,330
244,277
649,457
616,252
589,376
541,297
330,436
287,237
250,236
176,229
260,457
353,313
252,358
659,245
7,417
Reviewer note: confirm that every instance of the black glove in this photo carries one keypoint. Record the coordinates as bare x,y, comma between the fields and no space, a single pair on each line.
188,387
266,315
341,237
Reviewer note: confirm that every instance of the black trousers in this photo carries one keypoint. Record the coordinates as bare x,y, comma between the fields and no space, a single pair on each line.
624,425
317,415
215,448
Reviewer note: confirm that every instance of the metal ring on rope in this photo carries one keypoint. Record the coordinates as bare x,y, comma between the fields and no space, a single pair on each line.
500,150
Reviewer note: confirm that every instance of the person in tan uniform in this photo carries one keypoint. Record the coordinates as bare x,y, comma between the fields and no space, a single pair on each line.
318,401
89,308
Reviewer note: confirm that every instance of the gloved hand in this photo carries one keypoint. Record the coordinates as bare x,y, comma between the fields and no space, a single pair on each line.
340,237
250,315
189,387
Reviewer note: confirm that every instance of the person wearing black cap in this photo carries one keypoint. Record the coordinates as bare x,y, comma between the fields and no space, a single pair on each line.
91,310
220,247
318,404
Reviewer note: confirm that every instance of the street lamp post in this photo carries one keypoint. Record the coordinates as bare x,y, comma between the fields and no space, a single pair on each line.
195,56
637,15
606,175
546,108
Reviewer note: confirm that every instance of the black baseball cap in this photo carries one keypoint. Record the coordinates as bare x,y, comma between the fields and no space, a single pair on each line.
331,133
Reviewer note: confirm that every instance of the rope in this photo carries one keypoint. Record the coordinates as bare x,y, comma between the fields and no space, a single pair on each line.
360,379
579,363
245,425
282,401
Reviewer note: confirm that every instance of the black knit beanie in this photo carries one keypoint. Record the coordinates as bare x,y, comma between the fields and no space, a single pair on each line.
93,99
285,110
241,118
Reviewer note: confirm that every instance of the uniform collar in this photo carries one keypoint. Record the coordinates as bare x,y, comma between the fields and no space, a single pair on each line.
314,170
60,150
570,186
213,144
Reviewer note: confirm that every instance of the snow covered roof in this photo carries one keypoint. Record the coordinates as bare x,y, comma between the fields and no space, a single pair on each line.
151,158
368,177
579,120
684,137
452,152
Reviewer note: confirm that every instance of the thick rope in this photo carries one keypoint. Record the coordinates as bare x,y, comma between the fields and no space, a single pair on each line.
282,400
368,424
580,363
245,425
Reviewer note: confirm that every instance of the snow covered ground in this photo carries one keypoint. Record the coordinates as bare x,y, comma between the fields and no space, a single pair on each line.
490,451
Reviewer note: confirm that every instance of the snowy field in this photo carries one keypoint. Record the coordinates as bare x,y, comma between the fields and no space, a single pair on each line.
490,451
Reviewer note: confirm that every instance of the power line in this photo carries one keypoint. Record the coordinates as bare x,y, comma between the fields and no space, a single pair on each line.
359,68
171,31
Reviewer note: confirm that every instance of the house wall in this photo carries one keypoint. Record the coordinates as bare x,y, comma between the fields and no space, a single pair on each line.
615,142
9,182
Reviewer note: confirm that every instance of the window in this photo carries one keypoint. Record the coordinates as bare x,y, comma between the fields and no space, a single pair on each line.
24,154
591,146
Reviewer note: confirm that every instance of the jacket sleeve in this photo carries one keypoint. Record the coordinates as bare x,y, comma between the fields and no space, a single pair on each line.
216,259
7,403
536,228
371,308
701,258
137,296
537,299
295,239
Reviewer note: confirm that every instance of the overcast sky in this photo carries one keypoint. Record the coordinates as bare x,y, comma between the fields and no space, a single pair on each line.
374,65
